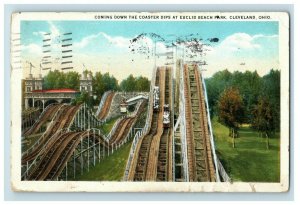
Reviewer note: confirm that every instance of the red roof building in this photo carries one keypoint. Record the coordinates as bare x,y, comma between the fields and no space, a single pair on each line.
62,90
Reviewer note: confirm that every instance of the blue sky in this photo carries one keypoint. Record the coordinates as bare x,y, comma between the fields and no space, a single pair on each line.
103,45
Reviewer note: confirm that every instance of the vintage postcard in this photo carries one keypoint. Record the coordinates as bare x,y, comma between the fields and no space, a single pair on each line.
150,102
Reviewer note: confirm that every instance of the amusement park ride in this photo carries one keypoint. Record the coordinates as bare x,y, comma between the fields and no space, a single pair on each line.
155,154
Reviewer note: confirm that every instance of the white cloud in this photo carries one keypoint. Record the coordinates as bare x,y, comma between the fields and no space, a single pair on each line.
53,29
39,33
118,41
264,36
239,41
242,52
85,41
32,49
242,43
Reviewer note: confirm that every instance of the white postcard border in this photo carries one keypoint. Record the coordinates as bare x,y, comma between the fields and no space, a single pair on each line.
76,186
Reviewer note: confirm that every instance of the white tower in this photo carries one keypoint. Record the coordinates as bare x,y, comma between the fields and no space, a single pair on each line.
86,83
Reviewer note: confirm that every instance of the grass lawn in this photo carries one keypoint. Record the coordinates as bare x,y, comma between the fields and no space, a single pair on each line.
109,169
106,127
249,161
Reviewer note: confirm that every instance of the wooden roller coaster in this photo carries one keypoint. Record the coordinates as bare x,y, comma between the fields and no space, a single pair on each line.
125,125
154,150
139,163
164,164
60,121
105,109
152,159
58,153
45,116
58,150
200,163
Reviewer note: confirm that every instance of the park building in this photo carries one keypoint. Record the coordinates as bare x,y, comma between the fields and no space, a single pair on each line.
36,96
33,83
86,81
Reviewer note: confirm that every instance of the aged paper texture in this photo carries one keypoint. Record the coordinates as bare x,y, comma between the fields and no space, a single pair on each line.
150,102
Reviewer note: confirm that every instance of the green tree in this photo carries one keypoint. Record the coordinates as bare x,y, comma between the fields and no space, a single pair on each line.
84,97
215,86
51,80
109,82
138,84
72,80
231,110
57,79
129,84
60,82
249,85
263,118
98,85
142,84
271,89
104,82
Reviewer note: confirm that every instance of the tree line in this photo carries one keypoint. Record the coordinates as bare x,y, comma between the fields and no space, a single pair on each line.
57,79
237,98
101,83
